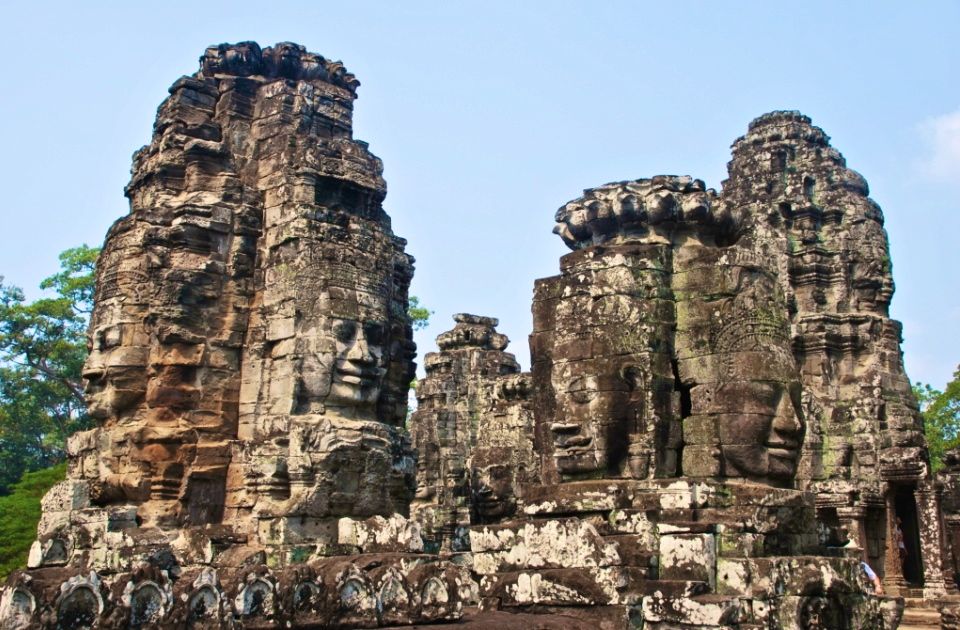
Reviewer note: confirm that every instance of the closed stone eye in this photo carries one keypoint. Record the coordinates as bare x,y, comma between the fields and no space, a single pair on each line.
581,390
374,333
344,330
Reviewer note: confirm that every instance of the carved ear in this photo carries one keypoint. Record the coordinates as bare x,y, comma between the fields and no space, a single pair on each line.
632,376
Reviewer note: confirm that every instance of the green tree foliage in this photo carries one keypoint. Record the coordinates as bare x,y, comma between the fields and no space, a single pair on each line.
941,417
42,349
420,318
20,513
419,315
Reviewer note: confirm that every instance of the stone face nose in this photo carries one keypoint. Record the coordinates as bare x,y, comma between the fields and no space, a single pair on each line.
359,351
787,429
93,380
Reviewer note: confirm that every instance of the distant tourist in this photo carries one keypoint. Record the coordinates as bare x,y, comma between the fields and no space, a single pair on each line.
899,542
872,576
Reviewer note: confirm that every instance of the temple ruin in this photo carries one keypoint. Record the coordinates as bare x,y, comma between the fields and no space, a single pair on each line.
716,430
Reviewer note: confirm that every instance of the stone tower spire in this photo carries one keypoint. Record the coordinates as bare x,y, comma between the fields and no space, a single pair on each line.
250,358
865,453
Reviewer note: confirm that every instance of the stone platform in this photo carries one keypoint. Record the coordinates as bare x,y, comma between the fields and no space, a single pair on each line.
710,554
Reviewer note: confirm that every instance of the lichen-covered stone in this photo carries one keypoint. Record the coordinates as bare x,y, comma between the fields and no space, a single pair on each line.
725,363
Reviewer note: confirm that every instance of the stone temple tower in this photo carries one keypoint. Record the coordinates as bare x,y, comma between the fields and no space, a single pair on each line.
864,454
250,359
716,429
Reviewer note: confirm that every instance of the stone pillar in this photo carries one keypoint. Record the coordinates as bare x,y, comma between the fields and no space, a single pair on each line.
893,581
948,497
931,539
951,532
852,520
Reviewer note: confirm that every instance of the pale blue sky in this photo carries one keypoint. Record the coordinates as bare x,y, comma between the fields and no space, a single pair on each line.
490,115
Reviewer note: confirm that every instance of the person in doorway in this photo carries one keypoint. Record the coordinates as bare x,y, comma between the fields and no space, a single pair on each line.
899,542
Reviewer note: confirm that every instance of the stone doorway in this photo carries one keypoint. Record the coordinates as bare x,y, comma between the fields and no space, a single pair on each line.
905,512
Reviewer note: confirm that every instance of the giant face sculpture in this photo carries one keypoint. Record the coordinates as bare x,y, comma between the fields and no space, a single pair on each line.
752,396
763,436
115,371
594,414
664,312
599,386
344,360
493,481
600,351
335,382
359,368
765,444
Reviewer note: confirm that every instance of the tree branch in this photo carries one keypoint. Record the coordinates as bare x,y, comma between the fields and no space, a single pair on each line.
75,389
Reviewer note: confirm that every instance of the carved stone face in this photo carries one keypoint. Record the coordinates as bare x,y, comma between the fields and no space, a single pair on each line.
591,425
115,373
269,474
754,397
765,444
343,365
493,485
427,466
341,466
823,612
242,59
283,59
358,369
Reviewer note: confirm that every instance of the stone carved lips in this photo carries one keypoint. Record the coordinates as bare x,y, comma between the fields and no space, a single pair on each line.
358,370
582,446
572,450
111,390
569,440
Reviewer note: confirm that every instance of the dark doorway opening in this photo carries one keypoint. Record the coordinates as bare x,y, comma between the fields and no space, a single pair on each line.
905,506
829,527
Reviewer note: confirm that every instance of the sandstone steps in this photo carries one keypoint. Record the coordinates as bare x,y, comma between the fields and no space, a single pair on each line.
920,614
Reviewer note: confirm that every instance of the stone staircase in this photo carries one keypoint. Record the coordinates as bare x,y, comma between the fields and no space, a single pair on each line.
920,614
